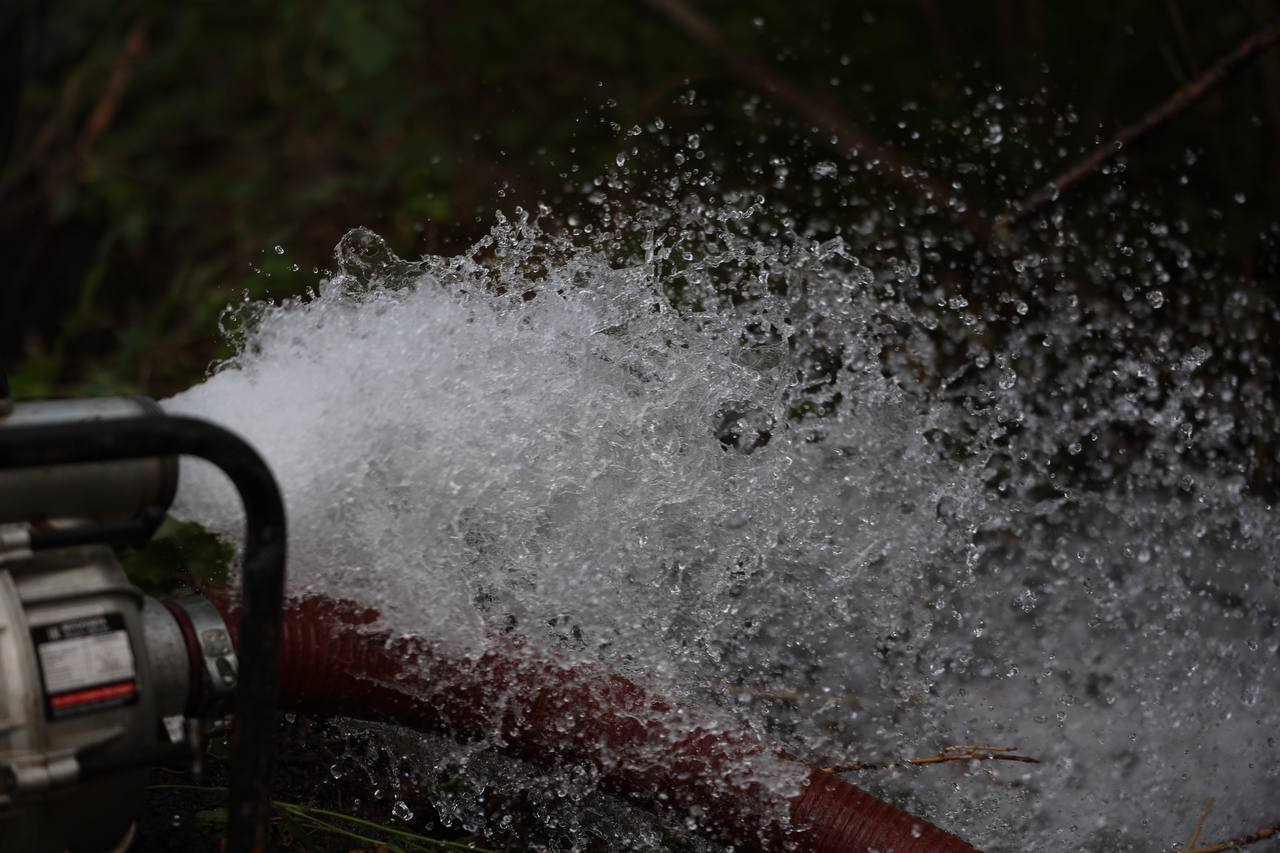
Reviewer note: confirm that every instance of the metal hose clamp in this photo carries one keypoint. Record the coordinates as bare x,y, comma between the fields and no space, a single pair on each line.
220,668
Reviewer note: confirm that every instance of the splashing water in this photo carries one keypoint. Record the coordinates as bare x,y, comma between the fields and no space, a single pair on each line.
752,471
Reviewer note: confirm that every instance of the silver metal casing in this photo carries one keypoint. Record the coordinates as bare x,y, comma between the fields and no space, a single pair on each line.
45,806
102,491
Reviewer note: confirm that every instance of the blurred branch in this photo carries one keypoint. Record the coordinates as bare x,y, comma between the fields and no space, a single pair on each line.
1176,104
1270,74
819,111
1195,833
1254,837
960,752
135,45
48,133
104,110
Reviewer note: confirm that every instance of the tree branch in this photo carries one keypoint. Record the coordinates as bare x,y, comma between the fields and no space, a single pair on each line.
960,752
1270,75
1177,103
135,45
58,170
818,111
1263,834
1195,833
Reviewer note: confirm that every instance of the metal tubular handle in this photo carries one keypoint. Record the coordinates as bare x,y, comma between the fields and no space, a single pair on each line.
262,585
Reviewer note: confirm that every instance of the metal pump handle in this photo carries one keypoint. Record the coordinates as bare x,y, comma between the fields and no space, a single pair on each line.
262,584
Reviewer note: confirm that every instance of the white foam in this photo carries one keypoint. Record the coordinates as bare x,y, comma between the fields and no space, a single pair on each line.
534,435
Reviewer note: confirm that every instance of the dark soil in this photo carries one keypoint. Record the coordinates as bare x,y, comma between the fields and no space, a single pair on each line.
189,814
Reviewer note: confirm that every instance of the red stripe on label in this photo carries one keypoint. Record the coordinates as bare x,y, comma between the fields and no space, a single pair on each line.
92,694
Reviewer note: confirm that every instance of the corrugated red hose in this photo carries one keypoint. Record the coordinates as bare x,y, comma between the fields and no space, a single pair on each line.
671,758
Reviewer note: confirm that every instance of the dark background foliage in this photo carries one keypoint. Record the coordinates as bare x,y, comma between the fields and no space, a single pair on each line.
155,153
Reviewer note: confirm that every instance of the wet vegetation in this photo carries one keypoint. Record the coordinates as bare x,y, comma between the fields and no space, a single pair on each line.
154,156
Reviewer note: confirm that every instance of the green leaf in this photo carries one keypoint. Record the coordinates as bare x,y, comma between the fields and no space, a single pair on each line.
178,548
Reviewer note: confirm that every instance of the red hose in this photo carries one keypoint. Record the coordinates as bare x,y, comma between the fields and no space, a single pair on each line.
671,758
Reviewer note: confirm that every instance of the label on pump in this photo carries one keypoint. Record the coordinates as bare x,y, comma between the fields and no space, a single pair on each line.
87,665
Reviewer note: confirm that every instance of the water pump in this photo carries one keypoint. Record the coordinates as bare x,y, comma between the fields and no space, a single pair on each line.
98,682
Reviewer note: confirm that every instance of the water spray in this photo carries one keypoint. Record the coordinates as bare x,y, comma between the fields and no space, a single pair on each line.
591,511
106,683
112,683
